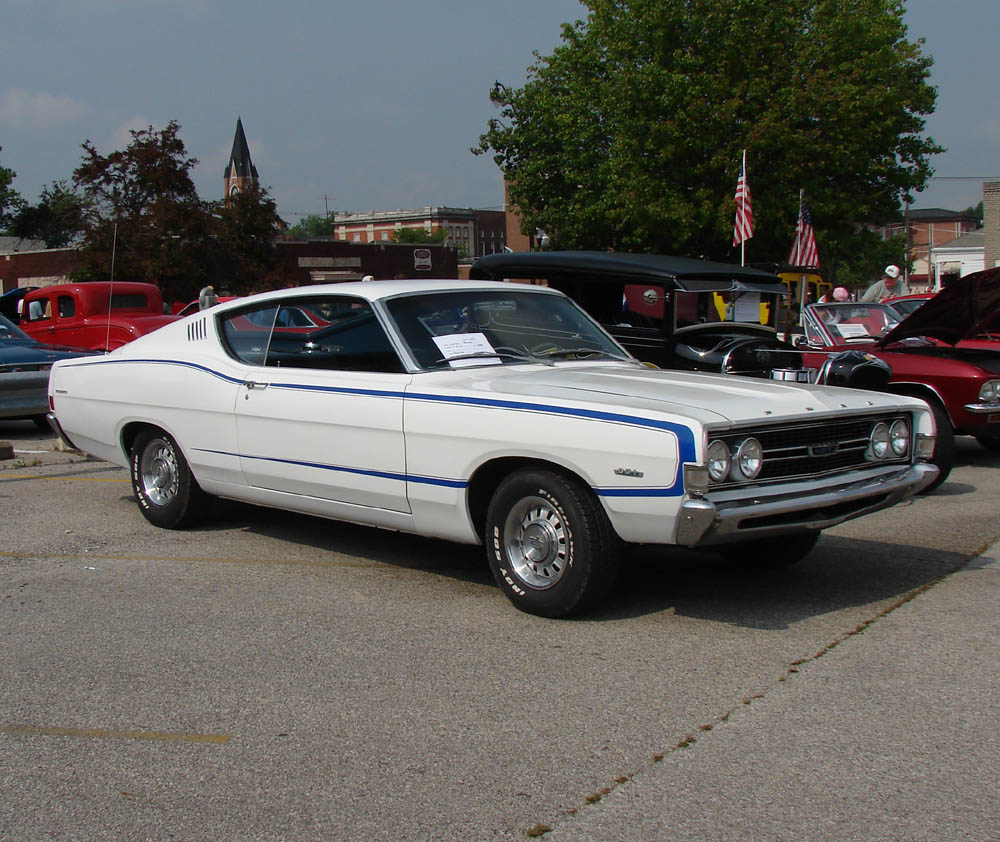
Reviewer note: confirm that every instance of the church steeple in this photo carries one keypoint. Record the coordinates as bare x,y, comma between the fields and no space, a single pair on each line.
240,171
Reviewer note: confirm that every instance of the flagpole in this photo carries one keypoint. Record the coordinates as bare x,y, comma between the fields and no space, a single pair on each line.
743,245
798,234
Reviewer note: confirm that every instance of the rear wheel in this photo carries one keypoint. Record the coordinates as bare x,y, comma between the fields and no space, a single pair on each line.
166,490
550,545
944,446
772,553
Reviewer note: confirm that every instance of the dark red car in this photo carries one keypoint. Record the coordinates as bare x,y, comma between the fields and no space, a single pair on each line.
97,314
943,352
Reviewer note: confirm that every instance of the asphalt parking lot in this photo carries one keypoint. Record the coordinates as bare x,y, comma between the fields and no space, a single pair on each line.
275,677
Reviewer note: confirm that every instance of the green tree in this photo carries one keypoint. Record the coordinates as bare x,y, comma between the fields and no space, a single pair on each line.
242,243
10,200
144,215
629,136
865,265
58,218
419,236
313,225
976,211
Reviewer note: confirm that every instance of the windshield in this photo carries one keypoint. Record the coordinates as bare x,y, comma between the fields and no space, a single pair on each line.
694,308
9,332
492,327
856,321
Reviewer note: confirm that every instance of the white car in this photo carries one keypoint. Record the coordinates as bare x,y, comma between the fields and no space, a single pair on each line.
484,412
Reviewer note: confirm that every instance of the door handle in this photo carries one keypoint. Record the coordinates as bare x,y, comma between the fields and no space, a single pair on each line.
254,384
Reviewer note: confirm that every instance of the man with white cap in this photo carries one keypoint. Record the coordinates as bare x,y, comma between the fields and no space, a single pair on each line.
890,286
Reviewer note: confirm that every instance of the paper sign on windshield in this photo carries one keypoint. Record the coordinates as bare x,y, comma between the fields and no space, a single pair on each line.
852,331
748,307
458,345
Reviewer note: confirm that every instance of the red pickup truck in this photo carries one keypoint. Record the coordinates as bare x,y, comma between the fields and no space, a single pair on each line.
97,314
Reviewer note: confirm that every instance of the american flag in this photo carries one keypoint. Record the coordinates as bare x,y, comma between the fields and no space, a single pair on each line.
804,251
743,230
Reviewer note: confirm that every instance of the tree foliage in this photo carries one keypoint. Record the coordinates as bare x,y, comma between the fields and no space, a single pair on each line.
419,236
144,217
630,135
313,225
10,200
58,218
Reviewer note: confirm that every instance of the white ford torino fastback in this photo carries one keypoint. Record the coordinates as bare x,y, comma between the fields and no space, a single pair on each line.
483,412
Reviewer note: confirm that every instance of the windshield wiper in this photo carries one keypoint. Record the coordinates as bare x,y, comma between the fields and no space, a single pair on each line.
578,352
488,355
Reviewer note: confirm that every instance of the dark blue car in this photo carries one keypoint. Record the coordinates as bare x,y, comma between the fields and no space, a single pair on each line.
24,373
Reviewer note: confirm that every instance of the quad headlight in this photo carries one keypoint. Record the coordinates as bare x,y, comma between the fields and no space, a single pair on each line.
718,461
899,438
889,440
749,460
740,463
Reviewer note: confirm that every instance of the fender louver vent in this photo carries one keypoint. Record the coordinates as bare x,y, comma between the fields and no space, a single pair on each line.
197,330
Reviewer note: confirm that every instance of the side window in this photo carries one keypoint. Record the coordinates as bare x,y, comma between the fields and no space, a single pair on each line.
337,333
39,310
245,334
67,307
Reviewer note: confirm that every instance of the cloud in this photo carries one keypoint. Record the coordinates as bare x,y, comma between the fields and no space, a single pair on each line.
122,136
38,111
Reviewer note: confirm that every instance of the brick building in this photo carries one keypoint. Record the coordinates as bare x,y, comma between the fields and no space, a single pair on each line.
928,228
991,224
472,232
35,266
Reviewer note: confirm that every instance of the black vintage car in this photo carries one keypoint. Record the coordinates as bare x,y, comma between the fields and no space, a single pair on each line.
681,313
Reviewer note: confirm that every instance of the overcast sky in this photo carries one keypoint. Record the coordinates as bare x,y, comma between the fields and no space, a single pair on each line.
362,106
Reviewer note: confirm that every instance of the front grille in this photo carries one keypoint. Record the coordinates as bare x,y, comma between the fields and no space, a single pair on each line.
798,451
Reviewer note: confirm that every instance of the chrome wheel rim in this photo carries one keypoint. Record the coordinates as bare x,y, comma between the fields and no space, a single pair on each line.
536,543
158,473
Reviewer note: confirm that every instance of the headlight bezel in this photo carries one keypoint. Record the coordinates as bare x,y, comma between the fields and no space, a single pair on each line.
894,436
722,456
748,452
989,392
878,442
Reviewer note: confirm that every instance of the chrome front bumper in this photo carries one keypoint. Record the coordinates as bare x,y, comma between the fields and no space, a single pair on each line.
759,513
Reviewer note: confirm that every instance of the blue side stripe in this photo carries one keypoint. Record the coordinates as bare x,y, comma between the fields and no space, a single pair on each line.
684,435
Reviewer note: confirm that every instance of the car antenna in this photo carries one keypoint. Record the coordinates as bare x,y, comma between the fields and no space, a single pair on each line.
111,289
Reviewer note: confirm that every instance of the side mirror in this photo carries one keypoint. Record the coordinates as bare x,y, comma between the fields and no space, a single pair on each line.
800,341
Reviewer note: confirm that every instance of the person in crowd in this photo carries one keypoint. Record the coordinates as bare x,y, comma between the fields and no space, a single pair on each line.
841,294
889,286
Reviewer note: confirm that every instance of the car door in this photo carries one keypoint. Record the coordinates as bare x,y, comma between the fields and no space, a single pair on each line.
320,411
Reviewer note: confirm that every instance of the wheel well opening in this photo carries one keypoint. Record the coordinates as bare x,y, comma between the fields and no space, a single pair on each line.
487,478
131,431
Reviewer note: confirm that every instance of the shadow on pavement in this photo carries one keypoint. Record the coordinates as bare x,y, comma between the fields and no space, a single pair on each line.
840,573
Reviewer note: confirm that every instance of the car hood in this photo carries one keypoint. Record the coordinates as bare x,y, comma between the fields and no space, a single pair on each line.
36,353
707,398
963,309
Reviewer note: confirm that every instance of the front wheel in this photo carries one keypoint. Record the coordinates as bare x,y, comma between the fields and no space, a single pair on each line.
550,545
167,492
944,446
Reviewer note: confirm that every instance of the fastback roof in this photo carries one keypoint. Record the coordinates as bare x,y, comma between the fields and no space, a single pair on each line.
682,272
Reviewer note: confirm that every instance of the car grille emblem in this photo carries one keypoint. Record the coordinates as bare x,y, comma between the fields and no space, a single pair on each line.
824,448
